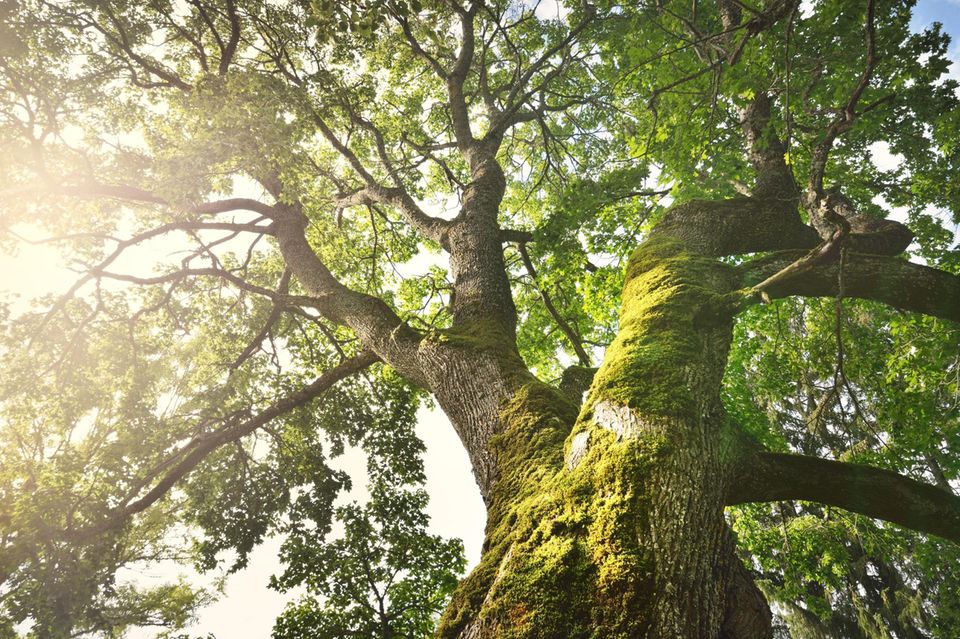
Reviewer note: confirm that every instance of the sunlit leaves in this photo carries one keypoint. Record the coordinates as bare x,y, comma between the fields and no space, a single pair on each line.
891,401
306,104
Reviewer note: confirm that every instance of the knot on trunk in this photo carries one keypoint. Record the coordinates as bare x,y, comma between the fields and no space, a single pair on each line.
867,234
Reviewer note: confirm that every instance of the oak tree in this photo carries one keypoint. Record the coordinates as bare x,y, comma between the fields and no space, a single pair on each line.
640,255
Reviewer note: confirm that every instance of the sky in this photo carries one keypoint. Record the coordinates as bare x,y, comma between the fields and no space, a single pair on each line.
247,607
946,12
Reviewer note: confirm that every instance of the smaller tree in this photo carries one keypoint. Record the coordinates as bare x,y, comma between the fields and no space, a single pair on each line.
385,576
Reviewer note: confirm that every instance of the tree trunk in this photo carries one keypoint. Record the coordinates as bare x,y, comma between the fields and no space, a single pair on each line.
610,523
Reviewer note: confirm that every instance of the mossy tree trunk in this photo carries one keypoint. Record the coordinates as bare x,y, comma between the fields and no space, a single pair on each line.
610,522
606,520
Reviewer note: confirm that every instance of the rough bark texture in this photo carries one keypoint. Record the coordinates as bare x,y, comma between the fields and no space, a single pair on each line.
622,536
607,519
719,228
481,288
766,152
873,491
605,506
901,284
473,370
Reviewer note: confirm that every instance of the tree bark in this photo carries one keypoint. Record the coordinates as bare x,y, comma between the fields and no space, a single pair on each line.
610,522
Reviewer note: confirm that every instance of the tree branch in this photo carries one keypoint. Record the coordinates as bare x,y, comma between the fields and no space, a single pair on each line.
237,427
416,47
515,235
186,273
870,491
895,282
826,251
374,322
459,113
518,94
431,227
99,271
283,287
736,226
766,152
136,194
565,327
231,47
121,39
846,117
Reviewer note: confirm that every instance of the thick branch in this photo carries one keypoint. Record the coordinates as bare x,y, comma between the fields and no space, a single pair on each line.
515,235
197,450
826,251
459,112
870,491
736,226
767,153
230,49
575,381
375,323
898,283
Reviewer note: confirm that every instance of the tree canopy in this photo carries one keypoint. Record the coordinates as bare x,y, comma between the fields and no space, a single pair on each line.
262,200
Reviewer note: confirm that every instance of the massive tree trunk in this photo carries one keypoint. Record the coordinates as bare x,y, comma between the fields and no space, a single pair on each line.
610,522
606,520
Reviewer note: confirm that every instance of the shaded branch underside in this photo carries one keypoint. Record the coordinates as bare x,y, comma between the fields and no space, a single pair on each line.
890,280
867,490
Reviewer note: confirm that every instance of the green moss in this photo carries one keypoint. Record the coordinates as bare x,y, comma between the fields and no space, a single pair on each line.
668,297
535,422
486,337
481,335
529,453
567,551
575,381
541,591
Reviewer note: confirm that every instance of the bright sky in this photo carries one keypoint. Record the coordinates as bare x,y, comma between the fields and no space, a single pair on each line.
247,608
